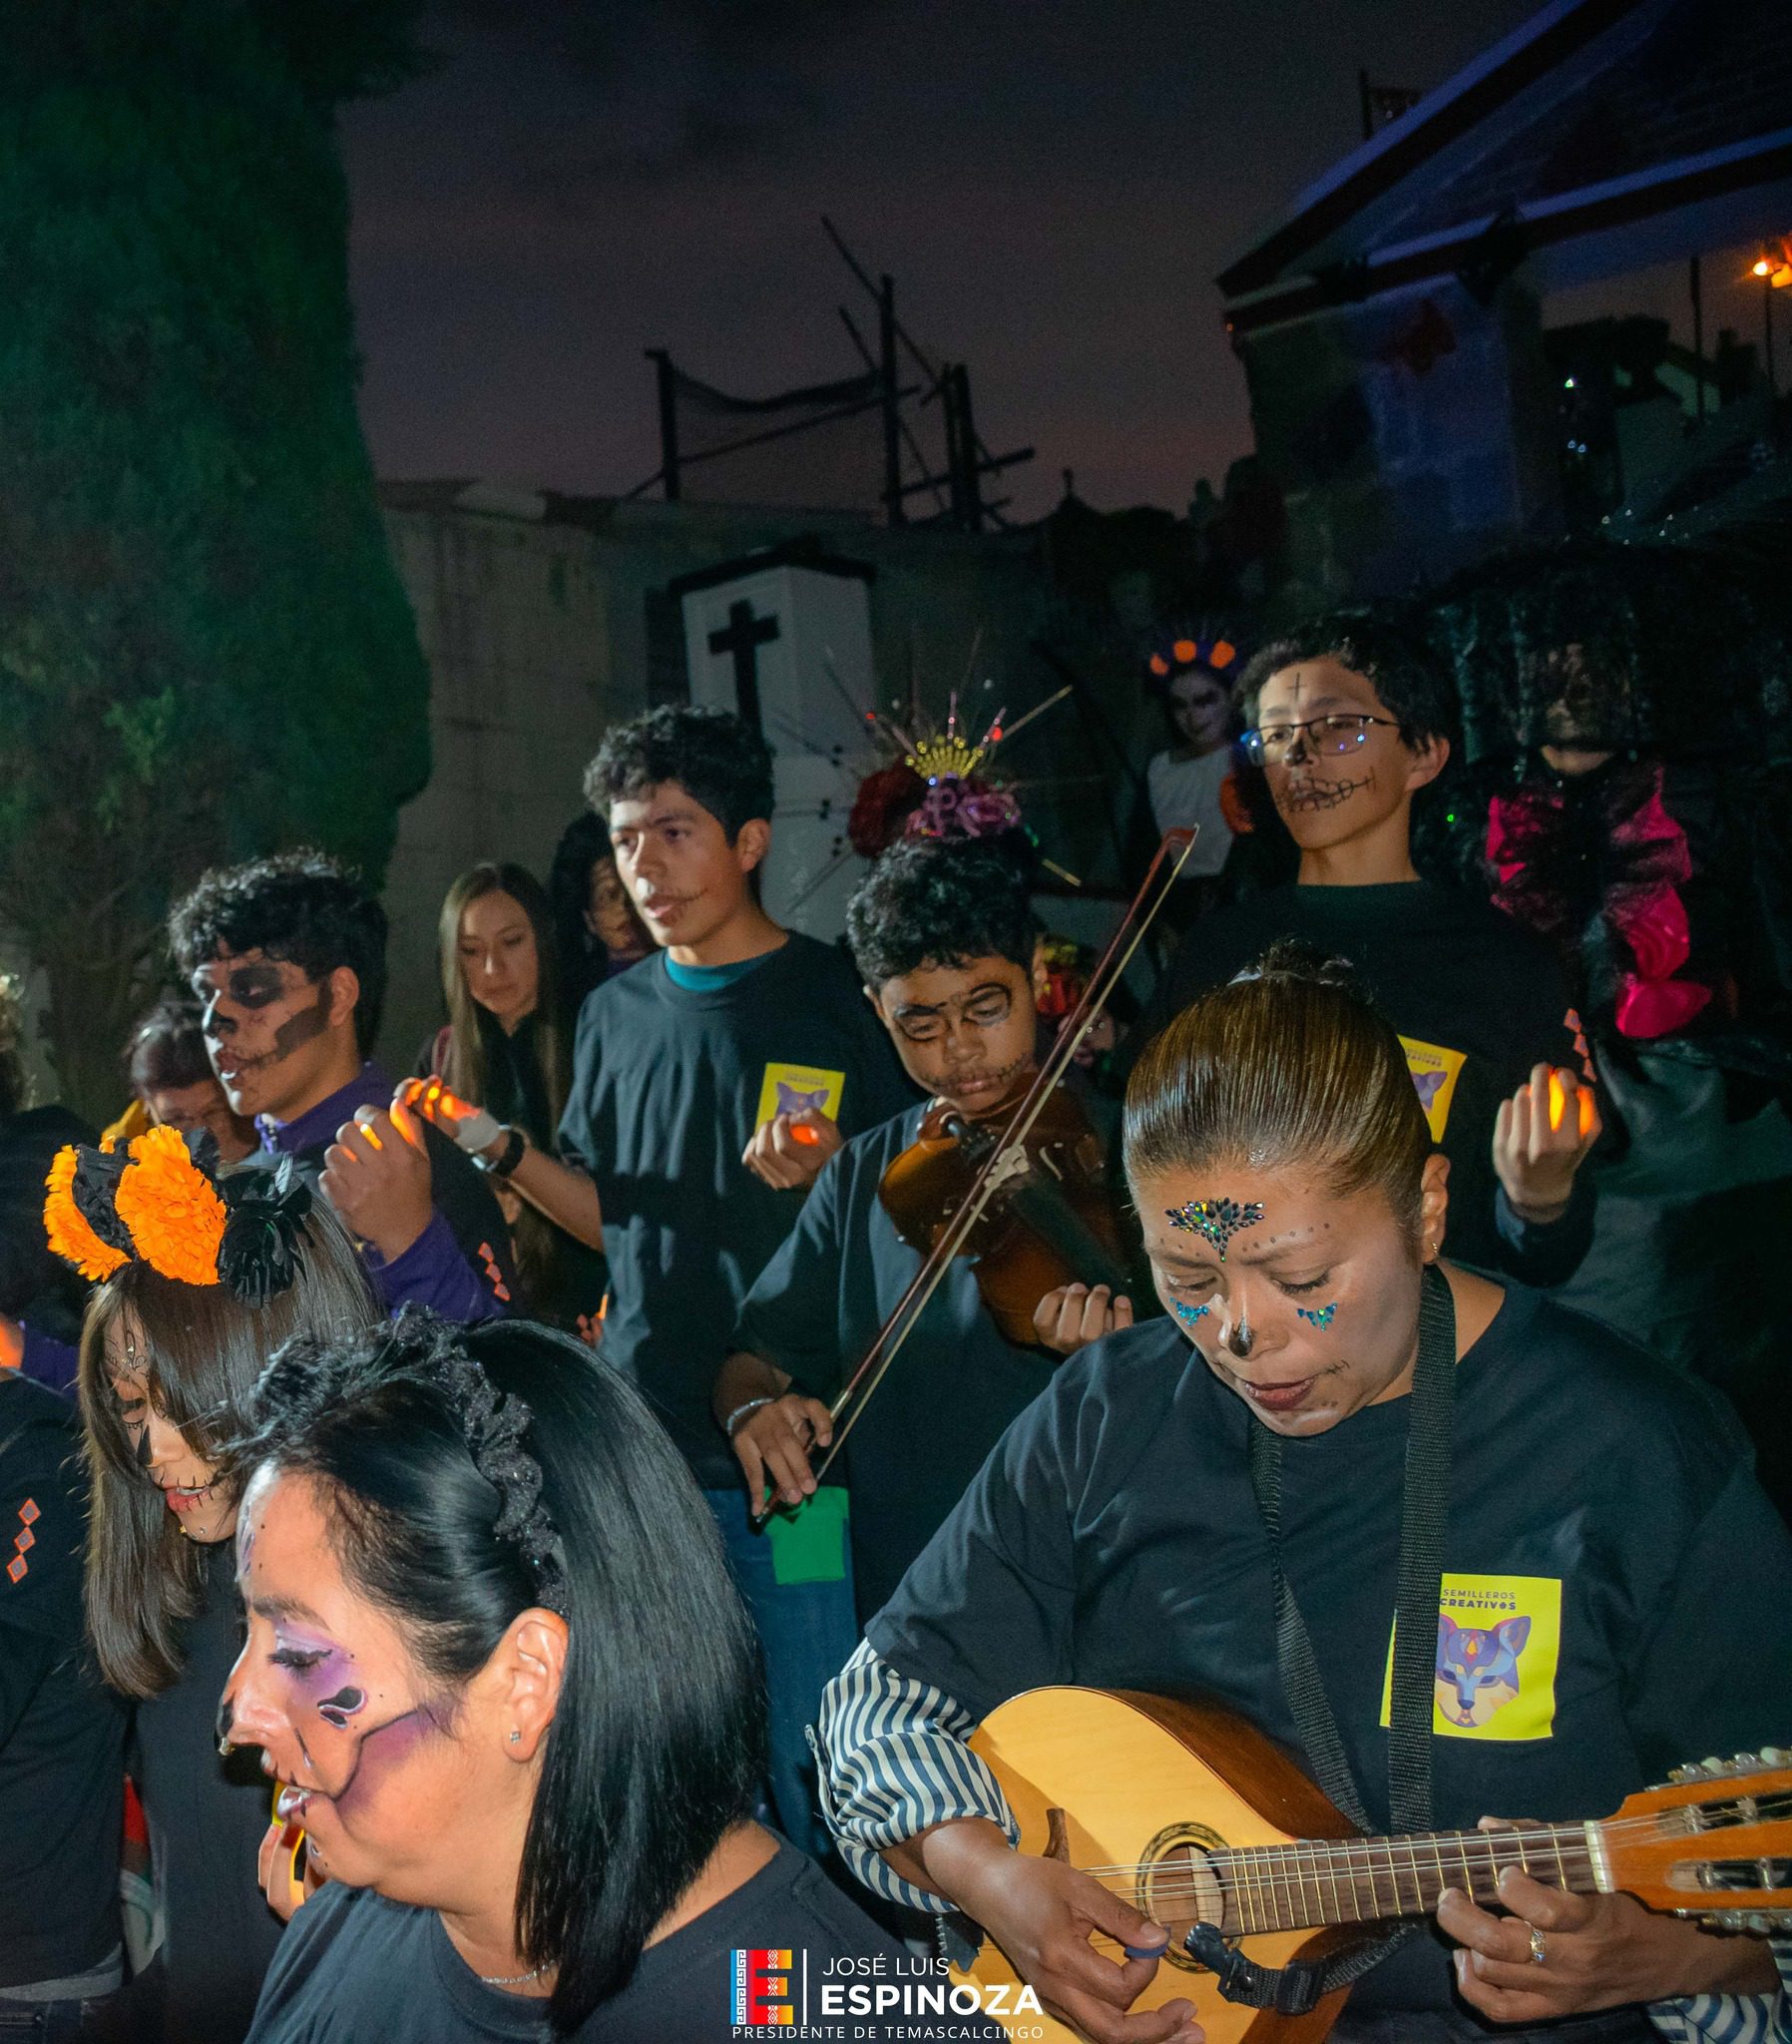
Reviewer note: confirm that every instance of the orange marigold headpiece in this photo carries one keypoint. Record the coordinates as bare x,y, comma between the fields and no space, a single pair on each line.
156,1202
72,1235
176,1219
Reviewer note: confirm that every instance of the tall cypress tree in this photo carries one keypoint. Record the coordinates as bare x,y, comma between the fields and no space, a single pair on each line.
204,651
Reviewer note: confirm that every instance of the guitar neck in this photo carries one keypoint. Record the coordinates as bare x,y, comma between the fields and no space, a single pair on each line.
1318,1881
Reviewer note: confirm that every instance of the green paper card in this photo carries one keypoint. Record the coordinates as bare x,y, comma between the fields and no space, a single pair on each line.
808,1545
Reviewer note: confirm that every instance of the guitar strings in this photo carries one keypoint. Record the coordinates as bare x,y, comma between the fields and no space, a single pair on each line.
1364,1848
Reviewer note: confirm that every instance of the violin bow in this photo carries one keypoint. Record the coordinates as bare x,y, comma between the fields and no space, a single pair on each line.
1166,865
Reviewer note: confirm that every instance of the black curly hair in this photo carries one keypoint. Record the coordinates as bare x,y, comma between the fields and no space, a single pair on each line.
301,907
715,757
1387,647
943,901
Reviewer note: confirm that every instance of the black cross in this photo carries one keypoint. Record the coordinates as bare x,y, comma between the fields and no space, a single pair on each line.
744,636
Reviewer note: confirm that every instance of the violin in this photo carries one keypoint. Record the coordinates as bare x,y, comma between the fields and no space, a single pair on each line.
1049,1223
1029,1176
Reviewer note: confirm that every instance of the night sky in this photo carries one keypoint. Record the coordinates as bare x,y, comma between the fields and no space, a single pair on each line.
1052,182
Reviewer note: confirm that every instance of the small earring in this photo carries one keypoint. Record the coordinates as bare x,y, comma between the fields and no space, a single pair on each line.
516,1739
225,1748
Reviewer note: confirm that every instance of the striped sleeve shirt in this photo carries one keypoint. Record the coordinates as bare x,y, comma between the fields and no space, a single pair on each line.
893,1760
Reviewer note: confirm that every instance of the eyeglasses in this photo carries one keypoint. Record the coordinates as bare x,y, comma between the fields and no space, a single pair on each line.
1326,735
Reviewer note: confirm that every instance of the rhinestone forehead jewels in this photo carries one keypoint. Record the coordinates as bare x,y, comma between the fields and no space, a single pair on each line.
1218,1219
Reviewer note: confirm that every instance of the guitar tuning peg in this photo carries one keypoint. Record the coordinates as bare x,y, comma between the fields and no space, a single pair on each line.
1744,1763
1710,1764
1776,1757
1676,1775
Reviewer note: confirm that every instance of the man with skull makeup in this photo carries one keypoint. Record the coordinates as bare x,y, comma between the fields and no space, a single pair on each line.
1352,725
288,960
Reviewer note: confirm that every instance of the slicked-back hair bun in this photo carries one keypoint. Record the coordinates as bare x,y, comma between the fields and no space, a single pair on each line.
1289,1066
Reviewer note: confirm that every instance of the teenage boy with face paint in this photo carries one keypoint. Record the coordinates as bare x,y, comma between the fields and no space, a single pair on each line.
286,957
1350,719
710,1082
947,943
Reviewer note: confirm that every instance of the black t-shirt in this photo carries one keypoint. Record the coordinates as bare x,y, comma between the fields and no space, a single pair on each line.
356,1966
62,1734
816,1309
1477,999
207,1817
669,1085
1112,1541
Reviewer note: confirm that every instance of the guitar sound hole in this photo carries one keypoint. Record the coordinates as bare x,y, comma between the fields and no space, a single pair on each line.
1177,1888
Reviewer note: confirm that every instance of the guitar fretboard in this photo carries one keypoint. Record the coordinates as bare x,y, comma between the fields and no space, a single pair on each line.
1365,1881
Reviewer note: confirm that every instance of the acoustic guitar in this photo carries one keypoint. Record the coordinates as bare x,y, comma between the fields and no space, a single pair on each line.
1195,1817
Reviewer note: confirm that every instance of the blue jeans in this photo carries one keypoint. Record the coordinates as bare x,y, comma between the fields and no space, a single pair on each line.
807,1630
55,2022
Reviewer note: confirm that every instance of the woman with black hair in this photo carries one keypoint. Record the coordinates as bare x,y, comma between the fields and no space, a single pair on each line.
198,1280
1331,1428
594,923
496,1662
173,1084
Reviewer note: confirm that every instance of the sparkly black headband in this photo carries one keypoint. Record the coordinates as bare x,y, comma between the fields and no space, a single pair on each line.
494,1423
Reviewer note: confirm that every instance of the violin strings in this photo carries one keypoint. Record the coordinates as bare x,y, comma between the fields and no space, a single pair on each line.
926,1282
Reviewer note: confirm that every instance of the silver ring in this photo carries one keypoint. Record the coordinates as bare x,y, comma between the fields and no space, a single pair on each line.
1537,1946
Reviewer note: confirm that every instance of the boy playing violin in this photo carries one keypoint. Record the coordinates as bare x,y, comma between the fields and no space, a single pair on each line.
945,938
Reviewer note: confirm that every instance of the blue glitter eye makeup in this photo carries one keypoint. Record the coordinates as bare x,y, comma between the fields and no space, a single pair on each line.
1321,1318
1189,1314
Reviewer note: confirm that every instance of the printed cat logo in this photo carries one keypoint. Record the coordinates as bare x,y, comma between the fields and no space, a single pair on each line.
795,1099
790,1089
1435,1071
1477,1668
1499,1645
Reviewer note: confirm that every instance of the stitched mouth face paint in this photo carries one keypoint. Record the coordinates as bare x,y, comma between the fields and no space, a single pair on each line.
1305,796
1320,1317
1188,1313
1216,1219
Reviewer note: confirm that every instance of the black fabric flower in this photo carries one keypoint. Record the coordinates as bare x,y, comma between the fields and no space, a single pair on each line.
262,1244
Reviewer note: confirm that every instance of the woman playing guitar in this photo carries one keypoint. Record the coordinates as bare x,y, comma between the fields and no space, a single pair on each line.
1332,1428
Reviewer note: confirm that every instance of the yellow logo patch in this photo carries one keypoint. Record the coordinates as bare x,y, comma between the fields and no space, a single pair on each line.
1499,1644
1435,1071
788,1089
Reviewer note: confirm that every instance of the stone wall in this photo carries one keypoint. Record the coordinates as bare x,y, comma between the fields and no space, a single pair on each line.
544,620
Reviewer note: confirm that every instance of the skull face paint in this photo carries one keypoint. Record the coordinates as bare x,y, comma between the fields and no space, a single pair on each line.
367,1746
258,1014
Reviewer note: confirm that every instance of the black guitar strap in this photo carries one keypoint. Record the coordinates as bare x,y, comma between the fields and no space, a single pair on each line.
1424,1512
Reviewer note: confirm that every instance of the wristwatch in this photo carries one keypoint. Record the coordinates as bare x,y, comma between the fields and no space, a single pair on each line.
507,1160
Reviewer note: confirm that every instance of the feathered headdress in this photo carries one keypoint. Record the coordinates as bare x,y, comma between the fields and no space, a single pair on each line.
155,1203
